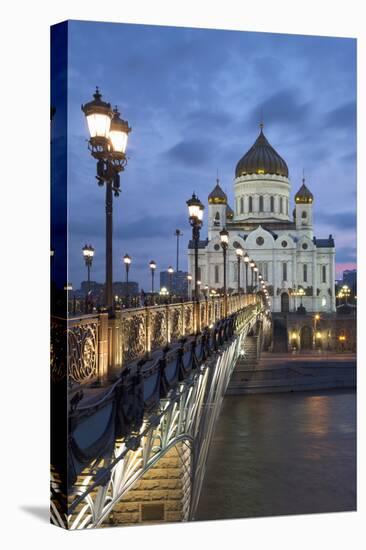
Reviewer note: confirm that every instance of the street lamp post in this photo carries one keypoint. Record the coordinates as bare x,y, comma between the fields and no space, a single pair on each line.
224,238
178,234
246,262
170,272
256,277
195,210
346,291
252,265
239,255
152,266
88,253
189,281
127,261
107,144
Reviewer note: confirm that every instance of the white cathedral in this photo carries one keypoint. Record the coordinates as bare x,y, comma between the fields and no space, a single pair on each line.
288,255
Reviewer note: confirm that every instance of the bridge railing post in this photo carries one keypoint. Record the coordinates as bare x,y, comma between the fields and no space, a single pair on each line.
147,332
103,347
167,323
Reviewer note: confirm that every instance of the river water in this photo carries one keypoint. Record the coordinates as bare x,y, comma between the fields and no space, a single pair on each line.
277,454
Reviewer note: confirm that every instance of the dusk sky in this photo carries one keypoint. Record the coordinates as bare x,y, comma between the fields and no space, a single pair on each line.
194,99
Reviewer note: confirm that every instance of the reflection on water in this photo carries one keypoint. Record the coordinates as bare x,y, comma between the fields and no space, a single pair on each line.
279,454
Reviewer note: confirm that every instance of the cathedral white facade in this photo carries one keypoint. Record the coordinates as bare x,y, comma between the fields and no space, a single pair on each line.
280,240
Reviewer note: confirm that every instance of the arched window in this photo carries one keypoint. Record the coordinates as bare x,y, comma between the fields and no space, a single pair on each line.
324,273
272,204
284,271
261,204
250,204
305,273
281,205
217,219
217,276
241,205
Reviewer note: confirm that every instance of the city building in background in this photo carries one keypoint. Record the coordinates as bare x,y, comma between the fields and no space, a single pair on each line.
176,282
280,240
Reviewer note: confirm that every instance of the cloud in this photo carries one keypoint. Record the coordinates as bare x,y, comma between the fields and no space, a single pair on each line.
343,117
340,220
191,153
282,107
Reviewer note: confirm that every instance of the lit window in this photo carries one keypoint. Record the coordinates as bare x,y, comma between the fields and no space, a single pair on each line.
284,271
217,279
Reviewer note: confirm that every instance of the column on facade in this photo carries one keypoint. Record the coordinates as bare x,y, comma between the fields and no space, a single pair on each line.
332,281
294,278
314,269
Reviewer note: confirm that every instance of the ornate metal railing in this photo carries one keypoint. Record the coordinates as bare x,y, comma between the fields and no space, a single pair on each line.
174,396
98,346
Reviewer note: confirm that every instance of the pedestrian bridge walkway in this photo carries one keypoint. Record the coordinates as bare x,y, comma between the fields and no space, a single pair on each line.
142,390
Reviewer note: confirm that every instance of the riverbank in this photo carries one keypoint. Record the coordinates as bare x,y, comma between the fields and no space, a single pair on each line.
294,372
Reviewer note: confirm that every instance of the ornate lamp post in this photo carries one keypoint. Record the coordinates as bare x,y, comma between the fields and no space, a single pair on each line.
301,293
252,266
346,291
239,255
224,239
88,253
152,266
127,261
107,144
189,282
206,291
246,262
170,272
255,269
195,210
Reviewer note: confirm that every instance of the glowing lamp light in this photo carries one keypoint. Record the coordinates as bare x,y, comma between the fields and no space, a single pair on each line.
127,259
246,258
318,335
294,335
98,115
224,236
118,133
195,208
239,252
88,251
170,270
152,265
199,283
189,277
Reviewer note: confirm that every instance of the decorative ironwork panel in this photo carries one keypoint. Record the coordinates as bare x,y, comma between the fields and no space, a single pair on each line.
158,327
82,340
175,322
134,335
188,318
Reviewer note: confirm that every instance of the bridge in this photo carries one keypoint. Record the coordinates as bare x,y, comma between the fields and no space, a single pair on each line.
135,406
